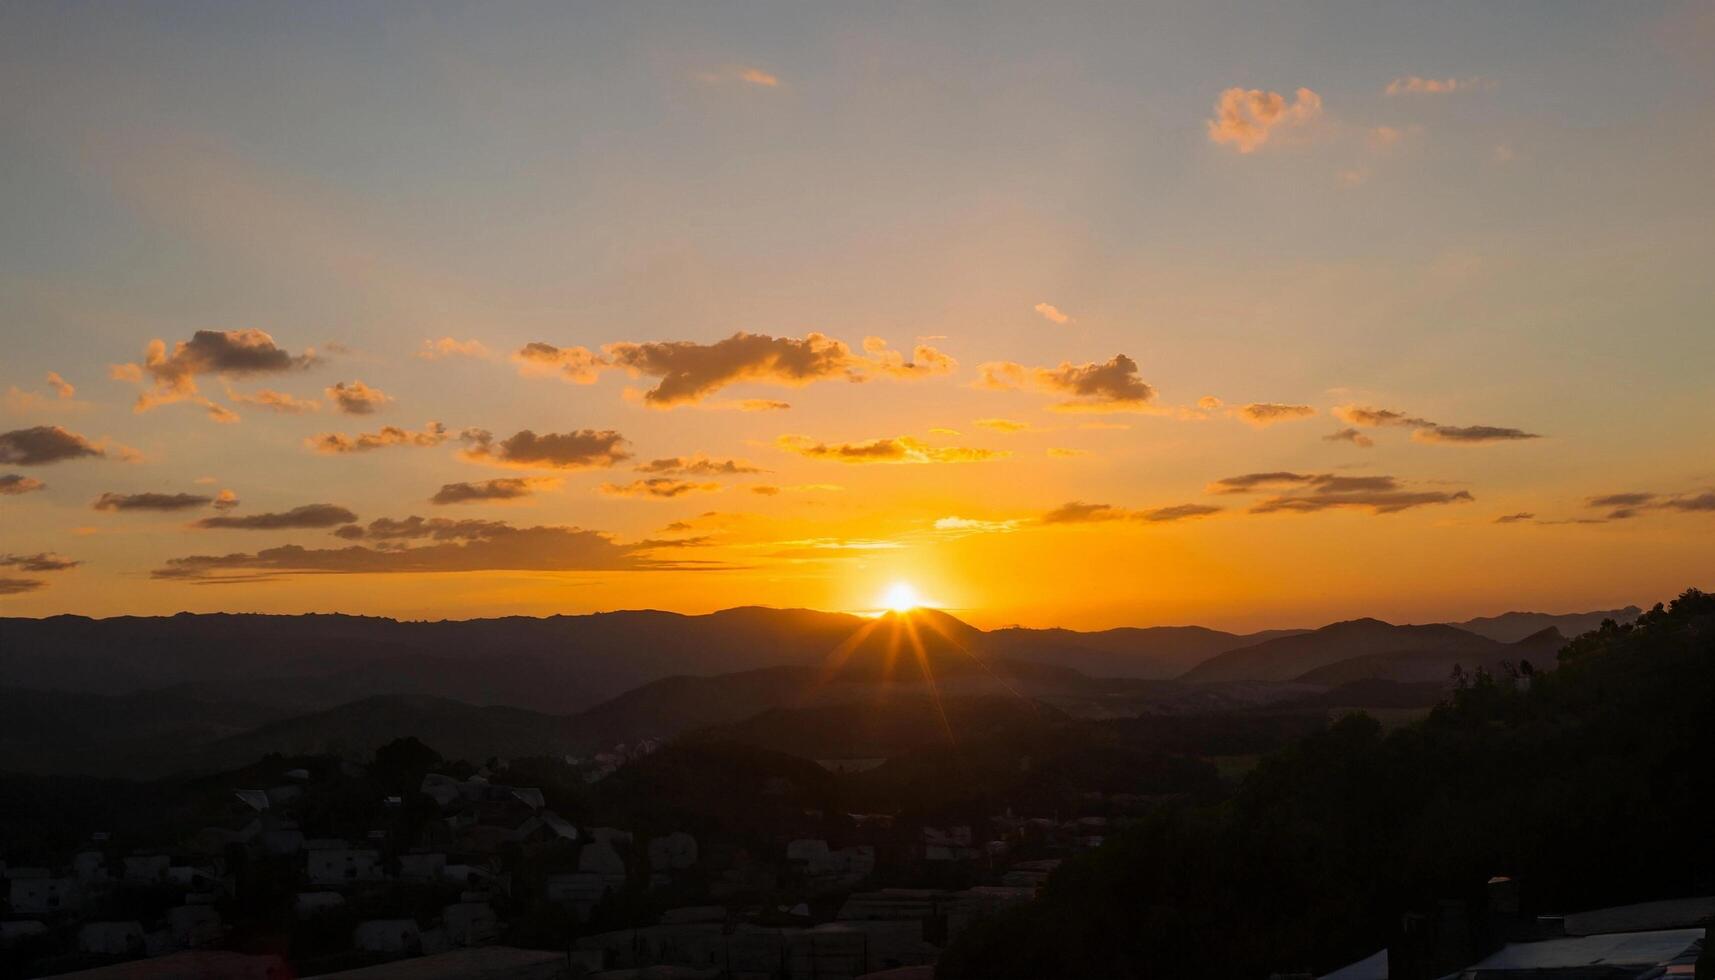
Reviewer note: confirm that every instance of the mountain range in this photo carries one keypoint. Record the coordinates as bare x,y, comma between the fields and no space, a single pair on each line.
149,696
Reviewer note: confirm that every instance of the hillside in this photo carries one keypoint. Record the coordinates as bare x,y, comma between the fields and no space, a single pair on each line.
1149,653
1591,786
1289,657
1514,626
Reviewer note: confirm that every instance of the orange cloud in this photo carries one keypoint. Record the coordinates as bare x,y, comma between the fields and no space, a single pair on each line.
434,350
336,443
901,449
1245,119
1052,313
658,488
577,365
356,398
1261,414
1113,386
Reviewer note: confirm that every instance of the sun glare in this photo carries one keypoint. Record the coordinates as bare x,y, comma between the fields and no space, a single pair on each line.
901,597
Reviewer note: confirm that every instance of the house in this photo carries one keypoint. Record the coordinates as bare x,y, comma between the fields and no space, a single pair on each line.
388,936
310,903
90,866
488,962
673,852
193,925
32,894
422,867
343,865
1667,952
147,868
112,939
470,923
599,857
14,931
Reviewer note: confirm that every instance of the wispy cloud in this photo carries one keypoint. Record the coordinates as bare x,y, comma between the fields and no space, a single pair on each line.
899,449
1052,313
1418,85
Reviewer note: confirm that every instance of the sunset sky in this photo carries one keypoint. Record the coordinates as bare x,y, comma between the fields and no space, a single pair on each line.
1066,314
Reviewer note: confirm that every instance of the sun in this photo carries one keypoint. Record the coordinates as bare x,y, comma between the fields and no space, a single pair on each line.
901,597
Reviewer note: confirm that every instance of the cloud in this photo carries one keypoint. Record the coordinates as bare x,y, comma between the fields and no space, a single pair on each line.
1382,137
688,371
1470,434
1308,492
225,500
1376,502
307,516
19,586
583,449
1178,512
504,488
925,360
658,487
1003,425
1429,432
765,490
61,386
1078,512
1262,414
900,449
165,502
1350,435
1621,499
1251,482
966,525
827,549
762,405
434,350
1311,492
1520,517
1373,417
1052,313
1113,386
14,484
699,465
1062,453
576,365
42,561
1700,502
230,353
747,74
356,398
1415,85
1246,119
1209,403
419,528
338,443
458,547
44,444
1629,504
274,401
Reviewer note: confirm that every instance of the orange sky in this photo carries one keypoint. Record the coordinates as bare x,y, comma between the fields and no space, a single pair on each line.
1140,317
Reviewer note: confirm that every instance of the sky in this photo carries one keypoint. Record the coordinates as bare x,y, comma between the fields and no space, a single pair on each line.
1081,314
